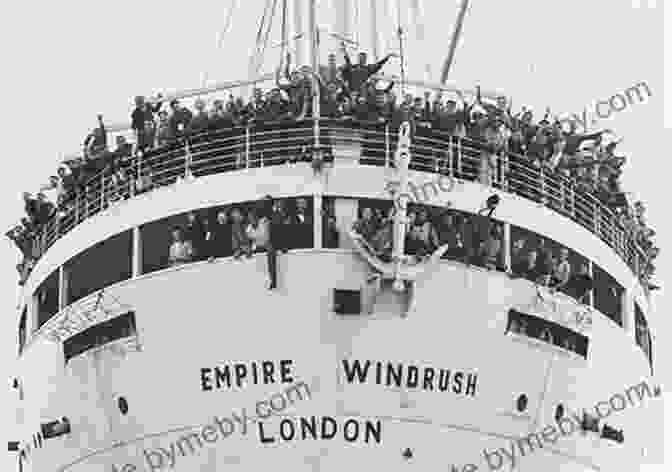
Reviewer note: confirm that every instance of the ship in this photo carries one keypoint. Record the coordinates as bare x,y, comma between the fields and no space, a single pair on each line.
331,293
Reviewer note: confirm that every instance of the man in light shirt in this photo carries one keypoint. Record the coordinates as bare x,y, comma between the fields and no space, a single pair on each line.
181,251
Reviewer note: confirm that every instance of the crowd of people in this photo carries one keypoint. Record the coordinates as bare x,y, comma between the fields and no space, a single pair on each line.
350,91
243,230
474,240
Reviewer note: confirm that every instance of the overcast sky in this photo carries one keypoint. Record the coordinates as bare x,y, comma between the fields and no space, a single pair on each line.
65,62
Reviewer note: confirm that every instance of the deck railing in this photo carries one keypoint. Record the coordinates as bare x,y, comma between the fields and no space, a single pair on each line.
277,143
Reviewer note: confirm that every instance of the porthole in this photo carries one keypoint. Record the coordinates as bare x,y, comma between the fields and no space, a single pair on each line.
547,336
513,326
559,412
523,327
123,405
521,403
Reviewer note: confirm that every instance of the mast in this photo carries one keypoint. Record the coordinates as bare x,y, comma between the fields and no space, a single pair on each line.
402,58
374,31
284,33
314,35
453,42
402,159
343,18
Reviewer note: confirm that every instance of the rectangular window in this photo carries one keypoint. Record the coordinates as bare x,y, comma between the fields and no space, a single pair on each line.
347,302
156,240
643,335
212,233
100,266
22,330
47,298
547,261
608,295
547,331
330,230
120,327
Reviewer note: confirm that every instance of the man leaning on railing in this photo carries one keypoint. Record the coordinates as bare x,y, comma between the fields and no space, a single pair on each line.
356,75
96,142
536,153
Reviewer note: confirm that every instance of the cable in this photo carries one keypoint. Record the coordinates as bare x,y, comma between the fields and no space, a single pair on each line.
283,33
269,24
454,40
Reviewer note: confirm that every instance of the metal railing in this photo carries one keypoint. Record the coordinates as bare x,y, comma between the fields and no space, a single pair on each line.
271,144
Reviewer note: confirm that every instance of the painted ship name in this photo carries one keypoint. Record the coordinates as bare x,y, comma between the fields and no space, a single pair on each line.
409,376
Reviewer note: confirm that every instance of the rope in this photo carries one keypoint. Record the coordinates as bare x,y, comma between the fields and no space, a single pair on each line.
254,59
283,33
266,37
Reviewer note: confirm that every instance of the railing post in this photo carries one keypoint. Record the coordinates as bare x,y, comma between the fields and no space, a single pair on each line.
635,260
76,208
131,181
37,244
247,146
542,186
591,294
62,287
187,160
459,157
451,169
627,312
506,244
504,171
43,240
316,132
136,254
572,201
87,204
387,145
317,220
102,191
596,218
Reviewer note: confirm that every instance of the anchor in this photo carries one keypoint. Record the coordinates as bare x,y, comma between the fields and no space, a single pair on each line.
402,269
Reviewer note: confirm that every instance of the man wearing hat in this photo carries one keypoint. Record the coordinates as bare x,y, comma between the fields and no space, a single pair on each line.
200,121
356,76
179,119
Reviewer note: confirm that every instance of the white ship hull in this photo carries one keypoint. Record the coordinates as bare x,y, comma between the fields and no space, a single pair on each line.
216,315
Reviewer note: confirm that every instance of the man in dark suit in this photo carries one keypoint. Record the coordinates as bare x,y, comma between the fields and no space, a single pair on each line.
528,268
580,285
304,221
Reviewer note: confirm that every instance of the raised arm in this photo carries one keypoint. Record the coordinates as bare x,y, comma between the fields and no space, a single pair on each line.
101,125
346,57
281,73
374,68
